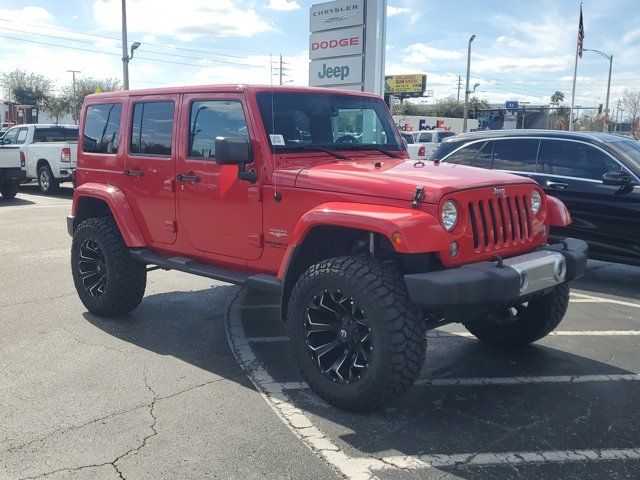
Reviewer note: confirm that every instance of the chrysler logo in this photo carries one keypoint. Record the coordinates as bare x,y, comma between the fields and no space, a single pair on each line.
500,191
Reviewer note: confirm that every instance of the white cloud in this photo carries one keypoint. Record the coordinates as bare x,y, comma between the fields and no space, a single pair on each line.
502,64
569,78
391,10
27,14
282,5
192,19
419,53
631,36
149,38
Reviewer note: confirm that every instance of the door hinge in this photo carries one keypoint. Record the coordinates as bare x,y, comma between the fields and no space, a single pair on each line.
254,193
256,239
171,225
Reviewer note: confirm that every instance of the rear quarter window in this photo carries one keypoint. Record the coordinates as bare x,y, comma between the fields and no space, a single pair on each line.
102,128
55,134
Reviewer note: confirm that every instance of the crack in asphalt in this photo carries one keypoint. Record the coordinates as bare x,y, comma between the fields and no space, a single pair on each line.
26,302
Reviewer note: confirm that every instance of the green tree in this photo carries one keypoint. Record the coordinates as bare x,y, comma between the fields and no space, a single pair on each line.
56,106
448,107
23,88
557,97
631,103
476,103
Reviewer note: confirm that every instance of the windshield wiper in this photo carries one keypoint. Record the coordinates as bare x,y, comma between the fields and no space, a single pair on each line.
370,147
322,149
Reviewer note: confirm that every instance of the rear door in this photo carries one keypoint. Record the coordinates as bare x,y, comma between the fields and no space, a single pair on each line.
150,163
516,155
218,213
572,171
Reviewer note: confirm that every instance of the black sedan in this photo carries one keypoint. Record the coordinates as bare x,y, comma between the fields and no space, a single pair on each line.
596,175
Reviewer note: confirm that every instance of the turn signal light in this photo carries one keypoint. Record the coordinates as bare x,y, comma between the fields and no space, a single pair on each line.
396,237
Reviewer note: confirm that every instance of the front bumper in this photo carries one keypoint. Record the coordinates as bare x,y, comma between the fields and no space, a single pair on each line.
487,283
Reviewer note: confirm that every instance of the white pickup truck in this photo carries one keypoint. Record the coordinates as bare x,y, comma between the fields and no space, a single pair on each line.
11,171
423,143
47,152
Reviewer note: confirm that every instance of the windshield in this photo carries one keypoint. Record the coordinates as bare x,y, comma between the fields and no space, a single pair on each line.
630,149
304,120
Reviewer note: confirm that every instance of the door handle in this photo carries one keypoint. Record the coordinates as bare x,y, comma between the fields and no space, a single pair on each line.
133,173
187,178
558,186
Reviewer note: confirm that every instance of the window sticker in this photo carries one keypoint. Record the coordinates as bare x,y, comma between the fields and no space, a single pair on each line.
276,139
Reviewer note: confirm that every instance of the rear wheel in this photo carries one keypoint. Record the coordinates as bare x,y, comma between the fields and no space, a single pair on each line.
47,182
355,335
109,282
9,191
524,323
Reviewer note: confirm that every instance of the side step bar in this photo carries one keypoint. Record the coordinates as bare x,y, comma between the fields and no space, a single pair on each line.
259,281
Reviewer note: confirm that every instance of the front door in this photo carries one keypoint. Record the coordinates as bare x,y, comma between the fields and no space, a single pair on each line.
150,164
602,214
10,149
218,213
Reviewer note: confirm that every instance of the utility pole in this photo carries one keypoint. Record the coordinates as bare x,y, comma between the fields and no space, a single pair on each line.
75,99
125,48
466,92
280,69
459,87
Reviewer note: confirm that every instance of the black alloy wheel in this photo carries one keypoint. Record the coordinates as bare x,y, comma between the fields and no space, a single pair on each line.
338,337
92,268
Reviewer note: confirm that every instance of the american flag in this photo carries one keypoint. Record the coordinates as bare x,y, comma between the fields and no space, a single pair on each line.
580,34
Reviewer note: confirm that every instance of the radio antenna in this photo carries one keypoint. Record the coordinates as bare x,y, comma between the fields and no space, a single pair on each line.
276,195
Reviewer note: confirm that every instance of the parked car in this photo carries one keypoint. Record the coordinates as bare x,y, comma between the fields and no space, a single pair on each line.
423,143
49,153
11,171
366,248
596,175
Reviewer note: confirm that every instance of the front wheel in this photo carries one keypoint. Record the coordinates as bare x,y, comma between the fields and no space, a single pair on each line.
47,182
9,191
109,282
524,323
356,336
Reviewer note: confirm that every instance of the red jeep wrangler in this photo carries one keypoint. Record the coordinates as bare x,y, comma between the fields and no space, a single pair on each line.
309,193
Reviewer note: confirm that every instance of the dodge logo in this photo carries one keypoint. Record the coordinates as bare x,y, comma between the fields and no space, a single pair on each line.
500,191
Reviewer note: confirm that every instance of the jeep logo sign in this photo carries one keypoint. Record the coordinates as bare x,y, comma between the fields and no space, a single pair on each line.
336,43
500,191
335,71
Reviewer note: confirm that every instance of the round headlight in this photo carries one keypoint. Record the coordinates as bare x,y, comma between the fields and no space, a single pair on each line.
449,214
536,201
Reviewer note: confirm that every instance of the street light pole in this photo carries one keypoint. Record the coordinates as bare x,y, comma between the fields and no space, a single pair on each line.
466,91
605,127
75,99
125,48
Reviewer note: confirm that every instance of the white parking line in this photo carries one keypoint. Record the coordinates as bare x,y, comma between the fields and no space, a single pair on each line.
584,298
363,468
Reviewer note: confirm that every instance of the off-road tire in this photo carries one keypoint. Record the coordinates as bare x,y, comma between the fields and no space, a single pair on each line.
9,191
125,278
398,330
541,317
46,181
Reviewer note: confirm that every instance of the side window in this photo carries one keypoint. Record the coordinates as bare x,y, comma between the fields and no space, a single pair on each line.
10,137
575,159
466,155
426,137
214,118
102,128
22,136
516,154
483,159
152,128
408,138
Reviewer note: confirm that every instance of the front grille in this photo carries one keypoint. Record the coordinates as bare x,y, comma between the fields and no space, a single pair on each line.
500,222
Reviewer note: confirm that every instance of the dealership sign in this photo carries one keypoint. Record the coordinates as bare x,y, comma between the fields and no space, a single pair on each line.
338,14
336,71
336,43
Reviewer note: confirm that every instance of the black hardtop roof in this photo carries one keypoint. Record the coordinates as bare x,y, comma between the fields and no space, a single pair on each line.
595,137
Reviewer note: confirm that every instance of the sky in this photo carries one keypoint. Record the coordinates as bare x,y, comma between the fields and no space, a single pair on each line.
524,50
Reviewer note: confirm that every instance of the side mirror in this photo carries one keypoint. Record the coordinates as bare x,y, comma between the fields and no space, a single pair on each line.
617,178
236,151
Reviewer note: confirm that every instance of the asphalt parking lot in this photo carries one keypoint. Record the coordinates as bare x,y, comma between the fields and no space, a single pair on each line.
197,383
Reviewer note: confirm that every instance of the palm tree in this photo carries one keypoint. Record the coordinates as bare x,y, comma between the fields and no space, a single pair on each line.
557,97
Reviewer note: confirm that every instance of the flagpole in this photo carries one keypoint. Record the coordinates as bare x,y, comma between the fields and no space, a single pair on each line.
575,76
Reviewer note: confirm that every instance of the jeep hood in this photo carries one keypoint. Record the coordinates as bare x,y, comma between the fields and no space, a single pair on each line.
398,178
